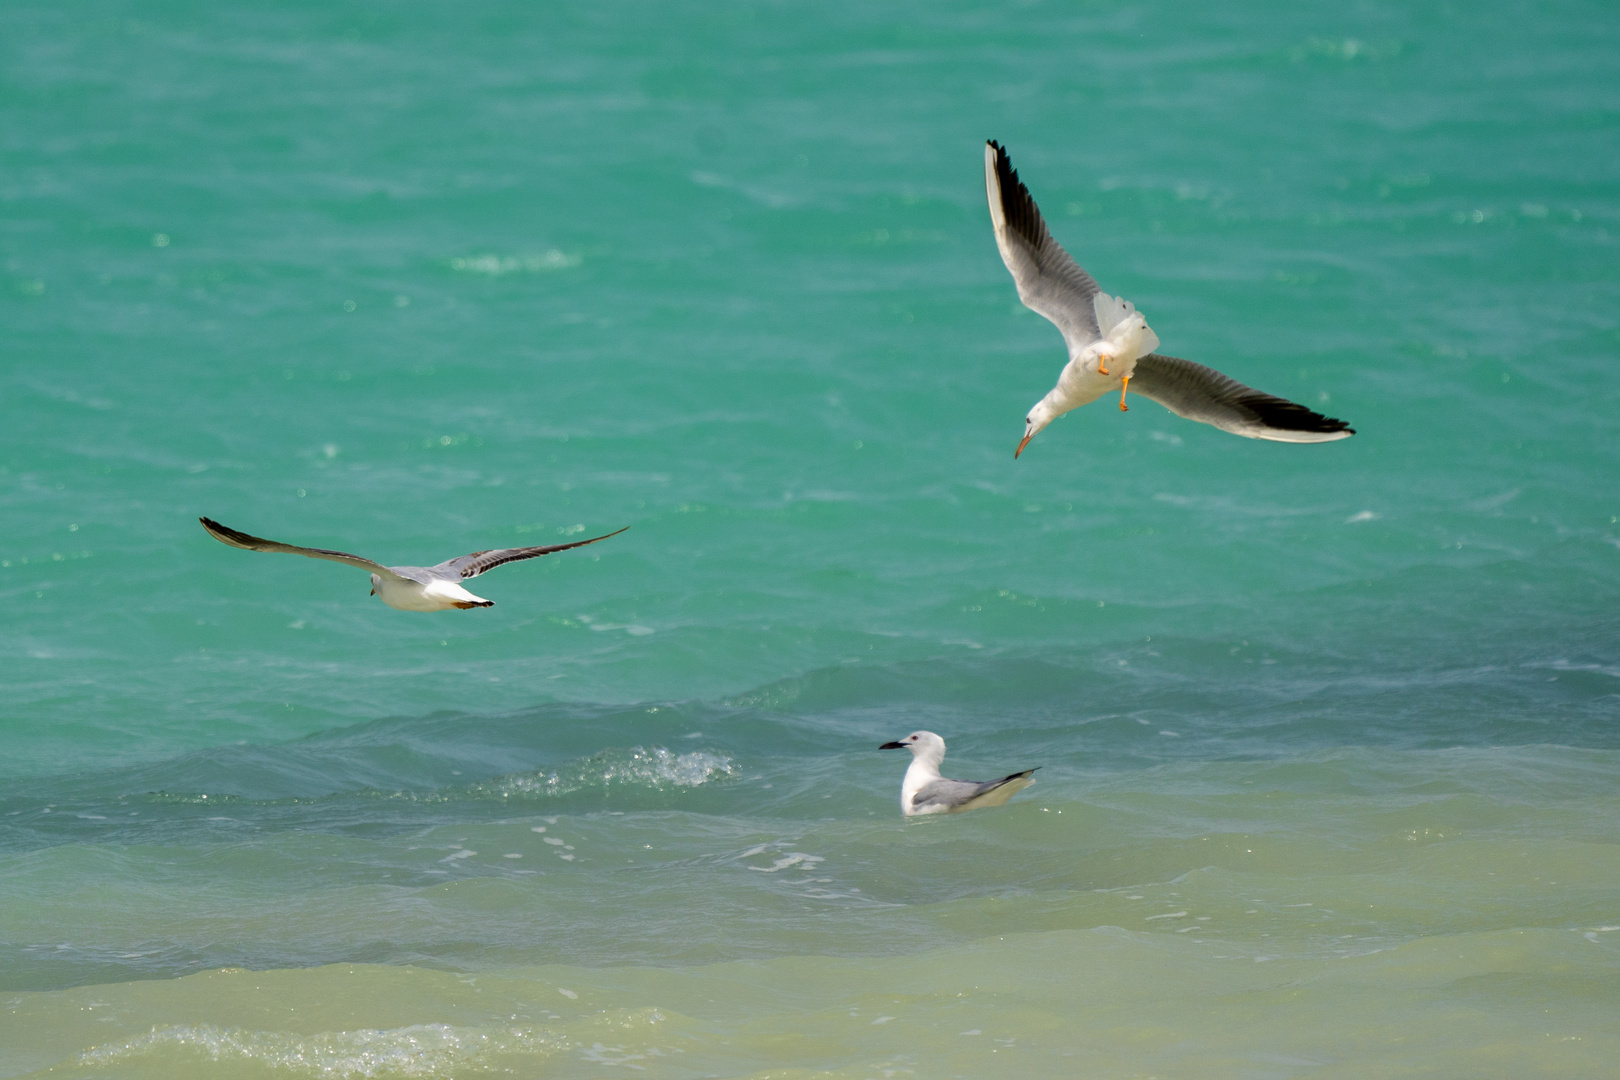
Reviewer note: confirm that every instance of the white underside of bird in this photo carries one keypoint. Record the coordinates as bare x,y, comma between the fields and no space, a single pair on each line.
1107,363
437,595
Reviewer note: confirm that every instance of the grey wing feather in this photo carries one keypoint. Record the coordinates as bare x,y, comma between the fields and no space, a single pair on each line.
1049,281
470,566
963,794
1204,394
949,793
236,539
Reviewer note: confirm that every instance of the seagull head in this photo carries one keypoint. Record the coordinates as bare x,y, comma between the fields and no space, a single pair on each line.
1041,415
923,744
376,580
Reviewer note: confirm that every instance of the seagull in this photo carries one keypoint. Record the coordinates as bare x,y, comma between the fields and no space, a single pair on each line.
407,588
924,791
1110,343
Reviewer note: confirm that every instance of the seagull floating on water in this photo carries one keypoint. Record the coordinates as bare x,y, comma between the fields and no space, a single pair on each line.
407,588
1110,343
924,791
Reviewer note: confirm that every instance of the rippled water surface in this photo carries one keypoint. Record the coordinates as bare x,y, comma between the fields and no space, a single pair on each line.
1329,736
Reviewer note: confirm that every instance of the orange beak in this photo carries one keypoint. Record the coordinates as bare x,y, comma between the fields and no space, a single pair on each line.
1021,446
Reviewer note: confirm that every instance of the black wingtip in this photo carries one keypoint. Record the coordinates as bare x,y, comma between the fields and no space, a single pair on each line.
1004,170
1017,204
1284,415
224,533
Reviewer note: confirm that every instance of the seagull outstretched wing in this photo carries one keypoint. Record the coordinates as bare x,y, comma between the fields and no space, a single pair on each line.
470,566
226,535
1049,281
1204,394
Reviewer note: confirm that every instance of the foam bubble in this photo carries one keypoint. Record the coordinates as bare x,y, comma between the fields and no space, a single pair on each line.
656,769
497,265
792,858
418,1050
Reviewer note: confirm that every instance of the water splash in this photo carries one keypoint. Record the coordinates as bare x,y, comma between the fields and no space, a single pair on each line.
655,769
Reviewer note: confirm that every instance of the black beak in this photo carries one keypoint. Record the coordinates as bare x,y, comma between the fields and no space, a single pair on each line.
893,746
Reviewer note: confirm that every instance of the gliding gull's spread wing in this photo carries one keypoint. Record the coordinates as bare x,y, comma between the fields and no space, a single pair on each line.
481,562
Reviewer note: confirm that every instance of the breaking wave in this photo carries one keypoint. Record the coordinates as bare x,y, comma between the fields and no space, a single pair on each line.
655,769
418,1050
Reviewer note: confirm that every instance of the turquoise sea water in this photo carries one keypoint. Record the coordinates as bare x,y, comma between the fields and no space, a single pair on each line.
1329,735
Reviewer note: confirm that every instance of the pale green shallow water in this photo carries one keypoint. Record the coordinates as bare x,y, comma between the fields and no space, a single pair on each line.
1329,736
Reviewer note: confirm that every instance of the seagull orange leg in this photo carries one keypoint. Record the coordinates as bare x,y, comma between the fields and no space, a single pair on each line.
1122,389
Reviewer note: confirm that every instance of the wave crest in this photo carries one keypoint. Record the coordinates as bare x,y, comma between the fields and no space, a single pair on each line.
655,769
418,1050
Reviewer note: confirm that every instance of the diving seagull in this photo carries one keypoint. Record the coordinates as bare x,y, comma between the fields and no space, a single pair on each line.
924,791
1110,343
407,588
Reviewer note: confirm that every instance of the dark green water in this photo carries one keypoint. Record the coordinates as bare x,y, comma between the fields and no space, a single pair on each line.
1329,735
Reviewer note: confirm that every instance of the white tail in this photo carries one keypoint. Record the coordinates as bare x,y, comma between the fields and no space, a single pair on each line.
1111,311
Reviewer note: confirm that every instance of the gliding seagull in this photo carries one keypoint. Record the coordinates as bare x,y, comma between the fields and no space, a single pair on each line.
407,588
924,791
1110,343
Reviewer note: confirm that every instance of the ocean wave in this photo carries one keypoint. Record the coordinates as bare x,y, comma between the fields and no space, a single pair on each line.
655,769
417,1050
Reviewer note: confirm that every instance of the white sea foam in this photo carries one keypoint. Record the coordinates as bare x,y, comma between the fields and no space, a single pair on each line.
792,858
497,265
656,769
418,1050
